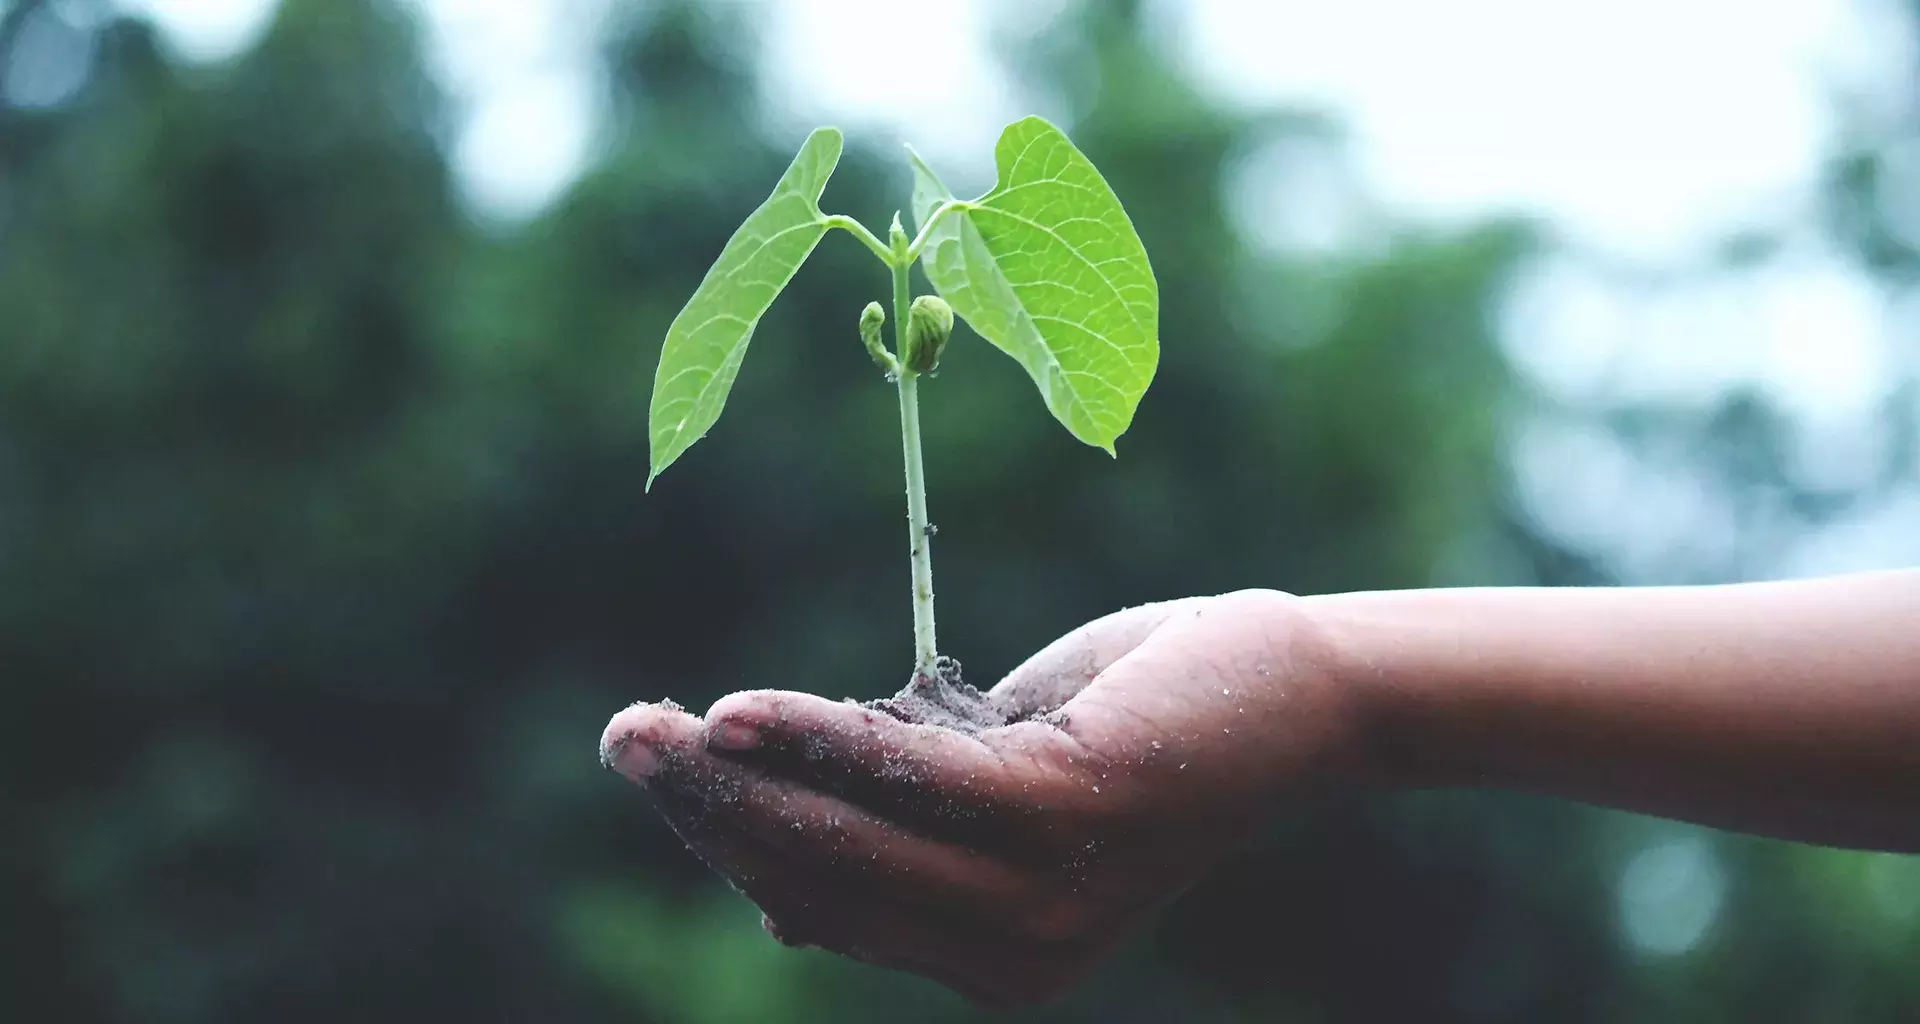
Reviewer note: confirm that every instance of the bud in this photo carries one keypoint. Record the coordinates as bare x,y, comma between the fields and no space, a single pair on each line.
897,235
929,324
872,319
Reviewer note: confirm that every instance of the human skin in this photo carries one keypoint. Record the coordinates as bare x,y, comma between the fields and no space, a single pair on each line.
1006,864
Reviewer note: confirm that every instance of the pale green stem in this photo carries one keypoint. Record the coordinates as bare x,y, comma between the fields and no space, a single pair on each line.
859,230
919,535
926,230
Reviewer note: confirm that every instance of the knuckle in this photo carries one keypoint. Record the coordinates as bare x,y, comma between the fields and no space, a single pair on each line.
748,707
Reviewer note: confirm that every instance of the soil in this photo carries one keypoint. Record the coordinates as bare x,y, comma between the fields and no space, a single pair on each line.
946,700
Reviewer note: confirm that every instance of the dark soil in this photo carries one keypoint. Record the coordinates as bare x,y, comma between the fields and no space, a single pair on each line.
946,700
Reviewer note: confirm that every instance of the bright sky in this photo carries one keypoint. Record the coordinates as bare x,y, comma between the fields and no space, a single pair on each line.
1644,130
1640,125
1637,123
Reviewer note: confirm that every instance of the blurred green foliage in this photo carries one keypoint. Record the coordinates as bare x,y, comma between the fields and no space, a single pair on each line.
326,558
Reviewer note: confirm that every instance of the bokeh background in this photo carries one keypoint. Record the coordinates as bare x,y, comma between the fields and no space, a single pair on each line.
326,333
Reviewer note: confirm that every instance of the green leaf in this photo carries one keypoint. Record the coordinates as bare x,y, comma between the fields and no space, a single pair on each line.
1049,269
707,340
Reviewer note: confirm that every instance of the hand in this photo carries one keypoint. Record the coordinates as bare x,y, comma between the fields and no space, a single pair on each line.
1006,864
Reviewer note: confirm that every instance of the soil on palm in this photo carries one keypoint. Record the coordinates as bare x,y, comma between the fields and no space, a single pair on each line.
943,699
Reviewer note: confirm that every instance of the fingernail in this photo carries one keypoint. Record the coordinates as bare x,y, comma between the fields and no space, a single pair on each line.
733,736
632,758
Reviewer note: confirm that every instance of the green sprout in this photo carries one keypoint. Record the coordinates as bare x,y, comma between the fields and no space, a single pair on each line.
1046,267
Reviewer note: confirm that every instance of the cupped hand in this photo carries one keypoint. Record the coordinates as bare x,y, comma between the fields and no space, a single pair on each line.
1005,863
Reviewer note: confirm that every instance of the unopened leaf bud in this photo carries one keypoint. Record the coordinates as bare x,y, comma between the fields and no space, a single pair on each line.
872,319
929,325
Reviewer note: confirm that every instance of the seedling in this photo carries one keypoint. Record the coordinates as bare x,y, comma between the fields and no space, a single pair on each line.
1046,267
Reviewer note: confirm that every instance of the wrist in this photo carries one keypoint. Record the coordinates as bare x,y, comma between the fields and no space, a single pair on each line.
1367,644
1328,714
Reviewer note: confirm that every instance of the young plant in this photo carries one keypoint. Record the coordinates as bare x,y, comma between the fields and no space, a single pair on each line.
1046,267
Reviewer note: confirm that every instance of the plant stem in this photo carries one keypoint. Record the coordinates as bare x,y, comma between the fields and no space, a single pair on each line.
859,230
926,230
920,536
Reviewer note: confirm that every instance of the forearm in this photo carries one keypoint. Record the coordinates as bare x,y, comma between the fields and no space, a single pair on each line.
1785,709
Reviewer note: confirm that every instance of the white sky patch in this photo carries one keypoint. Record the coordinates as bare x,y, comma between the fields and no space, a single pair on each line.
1808,331
1824,347
1881,536
1584,487
1639,125
530,91
206,30
922,70
504,176
1299,196
522,71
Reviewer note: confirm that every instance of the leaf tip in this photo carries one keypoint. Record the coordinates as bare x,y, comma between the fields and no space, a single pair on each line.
919,162
833,141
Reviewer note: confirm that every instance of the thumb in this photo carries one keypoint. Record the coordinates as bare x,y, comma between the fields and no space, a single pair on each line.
1230,696
1061,670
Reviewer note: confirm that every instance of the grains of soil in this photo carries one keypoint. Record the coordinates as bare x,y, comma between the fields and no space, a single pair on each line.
946,700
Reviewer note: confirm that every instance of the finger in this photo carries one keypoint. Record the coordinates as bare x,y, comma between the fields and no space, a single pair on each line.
653,746
1063,668
894,903
831,841
634,739
941,782
792,832
828,874
938,782
735,815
